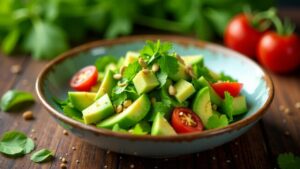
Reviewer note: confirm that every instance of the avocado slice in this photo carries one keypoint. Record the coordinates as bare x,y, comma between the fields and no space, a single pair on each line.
215,98
81,100
193,59
106,85
239,105
99,110
129,117
181,74
144,82
184,89
202,105
131,57
161,127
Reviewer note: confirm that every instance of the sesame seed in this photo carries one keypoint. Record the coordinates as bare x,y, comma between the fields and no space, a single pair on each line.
77,161
32,130
73,148
281,107
28,115
63,166
297,105
64,160
132,166
15,69
214,158
105,166
60,158
286,111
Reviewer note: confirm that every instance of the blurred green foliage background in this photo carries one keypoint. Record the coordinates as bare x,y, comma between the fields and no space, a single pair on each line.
45,28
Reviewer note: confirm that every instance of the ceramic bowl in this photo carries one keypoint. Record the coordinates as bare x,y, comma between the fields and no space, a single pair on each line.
53,81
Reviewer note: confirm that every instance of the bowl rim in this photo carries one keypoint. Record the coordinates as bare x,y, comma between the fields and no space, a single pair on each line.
177,138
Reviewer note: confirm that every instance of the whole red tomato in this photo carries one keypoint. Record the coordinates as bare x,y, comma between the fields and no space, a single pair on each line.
279,53
241,36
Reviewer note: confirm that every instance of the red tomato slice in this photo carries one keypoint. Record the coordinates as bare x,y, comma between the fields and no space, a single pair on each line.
185,120
234,88
84,79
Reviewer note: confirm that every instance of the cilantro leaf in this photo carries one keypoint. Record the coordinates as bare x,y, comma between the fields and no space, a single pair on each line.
216,121
141,128
227,105
224,77
159,107
103,61
288,161
168,64
152,51
131,70
162,78
15,144
41,156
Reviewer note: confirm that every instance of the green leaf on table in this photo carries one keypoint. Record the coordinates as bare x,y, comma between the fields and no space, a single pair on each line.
288,161
216,121
103,61
15,143
45,40
41,156
15,99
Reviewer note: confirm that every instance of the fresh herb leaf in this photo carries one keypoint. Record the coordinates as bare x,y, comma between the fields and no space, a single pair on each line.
225,78
227,105
288,161
41,156
160,107
118,99
151,51
131,71
141,128
14,99
162,78
72,112
103,61
15,143
168,64
117,128
201,70
216,121
45,40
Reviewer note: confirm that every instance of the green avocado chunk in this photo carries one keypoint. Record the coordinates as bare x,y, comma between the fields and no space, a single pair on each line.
81,100
181,74
193,59
130,116
184,90
131,57
202,105
215,98
161,127
144,82
107,84
239,105
99,110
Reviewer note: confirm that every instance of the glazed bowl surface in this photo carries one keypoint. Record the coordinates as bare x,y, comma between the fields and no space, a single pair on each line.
53,82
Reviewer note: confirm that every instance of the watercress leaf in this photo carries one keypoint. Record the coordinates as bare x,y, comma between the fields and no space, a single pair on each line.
224,77
41,156
216,121
288,161
72,113
45,40
103,61
15,143
131,70
15,99
162,78
227,105
168,64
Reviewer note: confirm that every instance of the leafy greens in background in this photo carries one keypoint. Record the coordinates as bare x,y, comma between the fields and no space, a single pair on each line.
288,161
45,28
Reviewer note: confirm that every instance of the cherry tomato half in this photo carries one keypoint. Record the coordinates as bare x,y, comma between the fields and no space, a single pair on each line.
84,79
234,88
185,120
280,54
241,36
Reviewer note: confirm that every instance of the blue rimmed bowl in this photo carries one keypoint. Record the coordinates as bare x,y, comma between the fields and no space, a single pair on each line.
53,81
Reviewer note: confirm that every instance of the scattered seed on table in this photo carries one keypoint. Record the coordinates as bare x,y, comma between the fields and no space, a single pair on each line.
107,152
281,107
73,148
77,161
64,160
65,132
60,158
63,166
214,158
66,154
235,156
24,82
15,69
105,166
228,161
28,115
131,165
32,130
286,111
297,105
287,133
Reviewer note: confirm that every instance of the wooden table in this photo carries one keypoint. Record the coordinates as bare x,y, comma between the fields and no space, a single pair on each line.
276,133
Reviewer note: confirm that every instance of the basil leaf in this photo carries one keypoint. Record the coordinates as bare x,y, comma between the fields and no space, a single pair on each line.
13,99
42,155
103,61
15,143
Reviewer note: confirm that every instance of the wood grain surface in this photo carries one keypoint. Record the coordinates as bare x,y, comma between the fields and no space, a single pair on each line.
276,133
